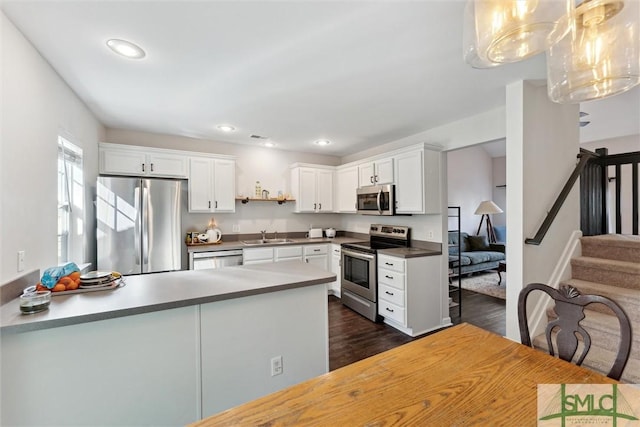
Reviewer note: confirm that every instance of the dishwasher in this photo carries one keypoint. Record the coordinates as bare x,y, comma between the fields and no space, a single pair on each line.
214,259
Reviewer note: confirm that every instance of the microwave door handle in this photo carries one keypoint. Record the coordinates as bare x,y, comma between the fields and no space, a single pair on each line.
378,200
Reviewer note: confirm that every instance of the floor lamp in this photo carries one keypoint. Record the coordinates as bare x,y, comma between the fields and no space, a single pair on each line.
486,208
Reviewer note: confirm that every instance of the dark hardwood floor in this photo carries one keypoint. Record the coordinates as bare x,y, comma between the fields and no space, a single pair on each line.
352,337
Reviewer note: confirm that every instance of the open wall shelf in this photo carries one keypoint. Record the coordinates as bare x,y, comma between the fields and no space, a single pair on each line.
246,200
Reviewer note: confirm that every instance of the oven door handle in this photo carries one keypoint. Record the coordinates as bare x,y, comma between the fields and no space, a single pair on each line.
378,200
359,255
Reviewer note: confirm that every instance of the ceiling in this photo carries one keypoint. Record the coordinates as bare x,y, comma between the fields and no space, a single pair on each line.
357,73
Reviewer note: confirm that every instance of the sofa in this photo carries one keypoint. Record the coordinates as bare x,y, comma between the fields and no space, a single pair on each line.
476,254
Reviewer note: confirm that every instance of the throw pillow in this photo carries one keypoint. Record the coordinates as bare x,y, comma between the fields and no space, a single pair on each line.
478,243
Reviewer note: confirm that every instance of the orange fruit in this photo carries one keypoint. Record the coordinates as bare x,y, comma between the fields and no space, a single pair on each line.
65,280
72,286
40,287
59,287
75,275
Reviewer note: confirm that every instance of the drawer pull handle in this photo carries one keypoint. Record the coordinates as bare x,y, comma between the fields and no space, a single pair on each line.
388,263
316,250
388,309
388,293
389,277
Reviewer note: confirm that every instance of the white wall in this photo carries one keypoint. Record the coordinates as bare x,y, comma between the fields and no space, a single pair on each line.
500,192
542,144
470,181
37,105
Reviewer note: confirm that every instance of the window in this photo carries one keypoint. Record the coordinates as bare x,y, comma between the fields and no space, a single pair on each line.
70,202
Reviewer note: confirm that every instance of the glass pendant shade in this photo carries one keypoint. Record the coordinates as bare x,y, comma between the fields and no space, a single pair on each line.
600,56
512,30
469,37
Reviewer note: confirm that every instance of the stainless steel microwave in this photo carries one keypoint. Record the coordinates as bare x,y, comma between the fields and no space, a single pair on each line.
376,200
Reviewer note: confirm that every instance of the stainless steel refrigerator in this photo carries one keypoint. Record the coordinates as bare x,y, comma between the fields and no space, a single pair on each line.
139,224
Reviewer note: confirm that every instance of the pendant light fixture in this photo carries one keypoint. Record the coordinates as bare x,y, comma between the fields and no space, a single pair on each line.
593,46
600,56
512,30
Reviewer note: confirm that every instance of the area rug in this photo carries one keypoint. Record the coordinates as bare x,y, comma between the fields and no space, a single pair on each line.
485,283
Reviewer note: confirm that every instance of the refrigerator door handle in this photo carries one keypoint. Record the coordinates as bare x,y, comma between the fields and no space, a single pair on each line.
145,226
136,224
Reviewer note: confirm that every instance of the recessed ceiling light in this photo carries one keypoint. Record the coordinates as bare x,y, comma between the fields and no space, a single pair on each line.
126,49
226,128
323,142
269,144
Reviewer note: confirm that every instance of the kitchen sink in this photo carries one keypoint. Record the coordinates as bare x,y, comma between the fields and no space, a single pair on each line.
265,241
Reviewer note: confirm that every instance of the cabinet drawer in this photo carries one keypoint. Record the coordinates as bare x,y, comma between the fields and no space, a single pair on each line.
391,311
391,278
391,263
315,249
289,252
393,295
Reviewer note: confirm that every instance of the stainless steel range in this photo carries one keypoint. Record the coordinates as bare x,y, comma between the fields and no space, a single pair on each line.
360,267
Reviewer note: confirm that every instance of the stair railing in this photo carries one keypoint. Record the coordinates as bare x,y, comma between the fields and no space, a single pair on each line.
594,183
583,157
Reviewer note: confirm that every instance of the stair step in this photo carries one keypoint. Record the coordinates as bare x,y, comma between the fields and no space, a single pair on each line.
604,330
600,360
628,299
618,247
624,274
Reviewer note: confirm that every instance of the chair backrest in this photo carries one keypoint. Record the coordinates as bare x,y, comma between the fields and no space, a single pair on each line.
570,304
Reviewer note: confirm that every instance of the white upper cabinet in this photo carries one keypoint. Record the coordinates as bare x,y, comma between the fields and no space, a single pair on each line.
312,188
211,185
345,189
141,161
376,172
417,179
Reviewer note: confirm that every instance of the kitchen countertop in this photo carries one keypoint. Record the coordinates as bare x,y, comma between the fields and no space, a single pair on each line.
161,291
408,252
296,241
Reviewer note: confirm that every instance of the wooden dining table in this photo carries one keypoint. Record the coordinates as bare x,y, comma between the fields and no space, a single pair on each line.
460,376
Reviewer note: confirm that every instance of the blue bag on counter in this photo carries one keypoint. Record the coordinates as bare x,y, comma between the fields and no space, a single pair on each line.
52,274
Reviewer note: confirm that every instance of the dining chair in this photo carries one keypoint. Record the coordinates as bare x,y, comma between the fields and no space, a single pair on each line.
569,307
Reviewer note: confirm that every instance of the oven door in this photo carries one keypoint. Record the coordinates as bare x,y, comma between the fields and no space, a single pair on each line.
376,200
359,273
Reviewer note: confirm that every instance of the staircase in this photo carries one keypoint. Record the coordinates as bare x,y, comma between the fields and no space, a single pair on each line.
609,266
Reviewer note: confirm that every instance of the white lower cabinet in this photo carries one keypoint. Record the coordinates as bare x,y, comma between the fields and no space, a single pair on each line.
409,293
318,255
336,268
288,253
257,255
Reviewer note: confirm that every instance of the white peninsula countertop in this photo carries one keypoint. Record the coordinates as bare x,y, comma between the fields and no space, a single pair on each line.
160,291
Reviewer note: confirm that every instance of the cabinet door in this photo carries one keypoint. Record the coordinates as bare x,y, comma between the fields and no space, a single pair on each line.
345,189
122,162
336,269
200,184
366,174
383,171
224,186
307,190
409,183
321,261
170,165
324,191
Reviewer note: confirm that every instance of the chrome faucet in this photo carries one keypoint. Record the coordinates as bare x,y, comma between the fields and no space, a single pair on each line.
264,235
275,235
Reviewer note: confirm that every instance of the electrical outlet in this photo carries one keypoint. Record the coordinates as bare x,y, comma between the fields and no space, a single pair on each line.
276,366
21,255
430,234
236,228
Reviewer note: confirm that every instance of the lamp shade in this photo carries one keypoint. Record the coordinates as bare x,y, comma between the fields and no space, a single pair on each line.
487,207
